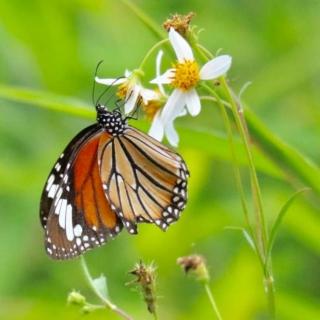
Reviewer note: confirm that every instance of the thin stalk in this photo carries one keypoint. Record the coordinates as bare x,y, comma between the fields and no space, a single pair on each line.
236,166
151,50
205,53
261,230
103,299
145,19
212,301
242,128
269,287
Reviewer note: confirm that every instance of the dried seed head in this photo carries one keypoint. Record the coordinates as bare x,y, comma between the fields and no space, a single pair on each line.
179,22
196,265
146,281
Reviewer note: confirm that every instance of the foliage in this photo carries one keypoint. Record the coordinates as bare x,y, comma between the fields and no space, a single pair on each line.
50,50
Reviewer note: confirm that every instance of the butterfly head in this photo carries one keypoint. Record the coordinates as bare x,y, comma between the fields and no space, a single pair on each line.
111,121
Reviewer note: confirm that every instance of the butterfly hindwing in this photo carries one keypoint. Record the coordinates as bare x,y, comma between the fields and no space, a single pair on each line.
144,181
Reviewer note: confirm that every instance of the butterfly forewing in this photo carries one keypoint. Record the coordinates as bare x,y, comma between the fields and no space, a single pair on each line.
61,171
77,214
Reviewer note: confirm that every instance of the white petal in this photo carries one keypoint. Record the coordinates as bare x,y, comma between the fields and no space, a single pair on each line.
173,106
183,113
180,46
157,130
193,102
148,95
127,73
171,134
164,78
158,71
131,98
215,67
110,81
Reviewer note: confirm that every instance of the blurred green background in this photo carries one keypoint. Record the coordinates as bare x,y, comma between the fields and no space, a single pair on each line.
54,46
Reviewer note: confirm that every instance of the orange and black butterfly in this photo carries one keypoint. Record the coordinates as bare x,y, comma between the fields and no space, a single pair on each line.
110,176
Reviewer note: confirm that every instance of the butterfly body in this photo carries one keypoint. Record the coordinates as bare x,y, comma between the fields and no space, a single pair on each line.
110,176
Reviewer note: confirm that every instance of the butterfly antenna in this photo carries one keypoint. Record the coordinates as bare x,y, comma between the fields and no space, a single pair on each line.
94,83
120,105
134,113
107,89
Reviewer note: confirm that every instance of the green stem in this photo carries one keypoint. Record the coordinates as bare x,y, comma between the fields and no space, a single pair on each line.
212,301
103,299
204,52
261,231
145,19
152,49
269,288
236,166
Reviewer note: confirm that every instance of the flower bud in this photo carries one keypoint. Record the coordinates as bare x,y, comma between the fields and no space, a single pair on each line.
196,265
76,298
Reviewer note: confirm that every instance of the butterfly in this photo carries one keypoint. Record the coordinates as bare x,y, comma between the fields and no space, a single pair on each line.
110,176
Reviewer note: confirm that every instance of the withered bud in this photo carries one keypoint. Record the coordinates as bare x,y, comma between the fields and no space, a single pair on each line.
196,265
179,22
146,280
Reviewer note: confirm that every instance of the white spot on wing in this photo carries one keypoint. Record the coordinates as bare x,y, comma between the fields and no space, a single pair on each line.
49,183
52,191
69,226
58,206
62,213
77,230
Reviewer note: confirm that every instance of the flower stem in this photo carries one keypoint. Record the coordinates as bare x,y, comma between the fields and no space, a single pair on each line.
151,50
145,19
261,232
103,299
236,169
212,301
260,225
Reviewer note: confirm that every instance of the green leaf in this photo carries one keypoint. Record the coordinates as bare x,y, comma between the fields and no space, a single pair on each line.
246,235
279,219
100,284
292,162
47,100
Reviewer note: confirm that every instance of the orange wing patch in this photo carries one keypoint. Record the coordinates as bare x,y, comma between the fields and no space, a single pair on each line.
82,217
90,198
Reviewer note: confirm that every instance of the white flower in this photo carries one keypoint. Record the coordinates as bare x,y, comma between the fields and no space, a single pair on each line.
159,129
184,77
131,88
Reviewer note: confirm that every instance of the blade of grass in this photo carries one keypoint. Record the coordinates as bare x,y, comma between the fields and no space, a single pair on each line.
47,100
279,220
292,162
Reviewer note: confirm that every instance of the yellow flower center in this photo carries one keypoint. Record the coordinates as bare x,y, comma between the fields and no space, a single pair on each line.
151,108
122,90
186,75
